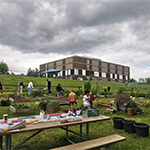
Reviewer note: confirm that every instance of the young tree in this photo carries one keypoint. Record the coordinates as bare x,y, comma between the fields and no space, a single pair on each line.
32,72
132,81
3,67
147,80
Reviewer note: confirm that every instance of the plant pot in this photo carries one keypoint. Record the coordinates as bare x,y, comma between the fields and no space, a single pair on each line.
142,129
129,126
129,110
134,110
118,124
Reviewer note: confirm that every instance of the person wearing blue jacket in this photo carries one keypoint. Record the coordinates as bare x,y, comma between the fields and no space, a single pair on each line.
59,89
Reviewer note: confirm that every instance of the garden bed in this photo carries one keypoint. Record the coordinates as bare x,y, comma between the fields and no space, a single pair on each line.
17,99
62,100
53,109
21,110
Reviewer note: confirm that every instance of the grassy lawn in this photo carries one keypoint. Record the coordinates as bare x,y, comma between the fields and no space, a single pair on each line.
56,137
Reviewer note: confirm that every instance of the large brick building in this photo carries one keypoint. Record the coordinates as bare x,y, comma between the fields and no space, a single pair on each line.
77,67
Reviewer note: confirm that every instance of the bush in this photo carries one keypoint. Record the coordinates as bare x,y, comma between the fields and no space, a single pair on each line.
66,93
37,93
121,90
20,106
87,86
78,92
131,104
43,105
105,92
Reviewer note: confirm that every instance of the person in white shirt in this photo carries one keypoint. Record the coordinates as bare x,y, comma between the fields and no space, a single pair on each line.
86,98
30,85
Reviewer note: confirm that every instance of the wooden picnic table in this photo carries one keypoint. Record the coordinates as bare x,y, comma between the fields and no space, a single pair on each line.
39,127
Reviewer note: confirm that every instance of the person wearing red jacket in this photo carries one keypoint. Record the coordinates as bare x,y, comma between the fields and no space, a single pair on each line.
91,99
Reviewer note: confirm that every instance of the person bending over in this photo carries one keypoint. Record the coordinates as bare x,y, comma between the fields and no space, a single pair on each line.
72,98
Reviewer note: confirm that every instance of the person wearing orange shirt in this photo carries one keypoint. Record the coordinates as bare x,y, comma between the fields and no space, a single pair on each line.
72,98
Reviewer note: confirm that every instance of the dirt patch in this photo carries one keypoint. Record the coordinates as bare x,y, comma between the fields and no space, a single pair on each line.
62,100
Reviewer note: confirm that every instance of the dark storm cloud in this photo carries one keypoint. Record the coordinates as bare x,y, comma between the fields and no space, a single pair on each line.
70,26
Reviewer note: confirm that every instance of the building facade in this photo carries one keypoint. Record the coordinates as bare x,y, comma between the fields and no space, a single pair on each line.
82,68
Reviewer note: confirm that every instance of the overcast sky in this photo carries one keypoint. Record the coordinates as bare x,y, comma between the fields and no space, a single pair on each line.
33,32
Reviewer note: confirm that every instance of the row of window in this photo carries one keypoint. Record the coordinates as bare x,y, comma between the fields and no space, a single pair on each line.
88,73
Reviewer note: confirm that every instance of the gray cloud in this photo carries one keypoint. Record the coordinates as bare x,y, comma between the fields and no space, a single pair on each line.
115,31
70,26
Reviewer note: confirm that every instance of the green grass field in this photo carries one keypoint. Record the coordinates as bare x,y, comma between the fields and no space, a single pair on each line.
56,137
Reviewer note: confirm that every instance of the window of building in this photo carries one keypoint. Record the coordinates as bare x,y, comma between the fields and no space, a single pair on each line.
89,73
88,67
126,77
103,74
76,71
87,61
83,72
72,71
60,74
96,68
111,75
69,72
116,76
120,77
66,72
96,74
80,72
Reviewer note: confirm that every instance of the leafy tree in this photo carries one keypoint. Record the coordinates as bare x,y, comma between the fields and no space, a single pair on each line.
3,67
87,86
33,72
22,74
132,81
13,74
141,80
147,80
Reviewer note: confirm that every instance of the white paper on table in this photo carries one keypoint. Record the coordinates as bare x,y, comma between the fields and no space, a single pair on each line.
5,125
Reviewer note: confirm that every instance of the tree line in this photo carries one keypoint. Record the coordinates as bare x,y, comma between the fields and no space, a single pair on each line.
30,72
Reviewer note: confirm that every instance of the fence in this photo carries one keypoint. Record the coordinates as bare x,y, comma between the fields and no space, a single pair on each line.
37,86
115,89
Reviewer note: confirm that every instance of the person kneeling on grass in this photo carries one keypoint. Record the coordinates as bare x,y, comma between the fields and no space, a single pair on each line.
59,89
72,98
86,98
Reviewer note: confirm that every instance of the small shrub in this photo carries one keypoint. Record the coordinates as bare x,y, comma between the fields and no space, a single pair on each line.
87,86
131,104
20,106
66,93
42,105
121,90
78,92
37,93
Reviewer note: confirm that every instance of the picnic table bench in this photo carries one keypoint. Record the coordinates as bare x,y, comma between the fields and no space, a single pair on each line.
95,143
